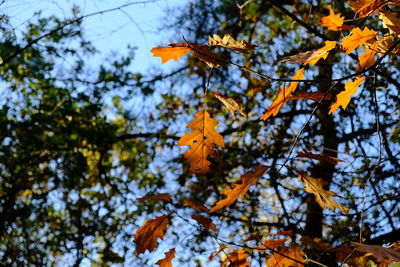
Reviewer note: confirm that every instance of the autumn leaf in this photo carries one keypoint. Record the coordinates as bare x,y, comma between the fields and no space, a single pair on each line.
237,258
271,244
315,96
322,196
312,57
324,157
167,261
315,243
295,252
175,51
334,22
146,236
365,8
195,205
162,197
357,37
367,59
231,104
172,52
229,42
283,96
214,254
384,44
391,21
343,98
248,179
202,141
286,233
206,222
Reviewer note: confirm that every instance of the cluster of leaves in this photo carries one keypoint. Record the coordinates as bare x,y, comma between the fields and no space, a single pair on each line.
204,140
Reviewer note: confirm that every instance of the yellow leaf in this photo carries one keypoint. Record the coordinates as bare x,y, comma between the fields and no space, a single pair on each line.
334,22
202,141
391,21
295,252
343,98
248,179
237,258
367,59
229,42
146,236
322,196
283,96
357,37
167,261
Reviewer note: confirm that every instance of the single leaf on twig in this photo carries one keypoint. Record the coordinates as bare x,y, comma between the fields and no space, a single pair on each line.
322,197
195,205
312,57
324,157
237,258
167,261
357,37
162,197
248,179
334,22
343,98
295,252
229,42
283,96
315,96
204,221
231,104
146,236
202,141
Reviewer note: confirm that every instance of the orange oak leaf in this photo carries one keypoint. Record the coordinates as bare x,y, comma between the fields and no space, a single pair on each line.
162,197
343,98
272,244
324,157
237,258
357,37
312,57
334,22
248,179
229,42
204,221
167,261
175,51
283,96
295,252
231,104
202,141
391,21
367,59
315,96
195,205
146,236
322,197
365,8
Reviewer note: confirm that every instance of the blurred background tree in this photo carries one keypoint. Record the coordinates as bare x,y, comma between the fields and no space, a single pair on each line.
80,142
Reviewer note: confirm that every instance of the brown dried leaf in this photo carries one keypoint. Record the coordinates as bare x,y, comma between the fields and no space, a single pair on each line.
322,196
237,258
146,236
195,205
202,141
272,244
315,243
248,179
167,261
324,157
231,104
315,96
162,197
206,222
312,57
229,42
295,252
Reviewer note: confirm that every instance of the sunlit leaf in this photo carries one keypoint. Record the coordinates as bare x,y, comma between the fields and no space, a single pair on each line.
357,37
146,236
343,98
167,261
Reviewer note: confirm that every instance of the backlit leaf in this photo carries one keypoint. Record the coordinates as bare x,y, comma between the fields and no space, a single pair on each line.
283,96
239,190
312,57
229,42
237,258
295,252
167,261
366,8
334,22
146,236
322,196
324,157
343,98
202,141
391,21
315,96
231,104
357,37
